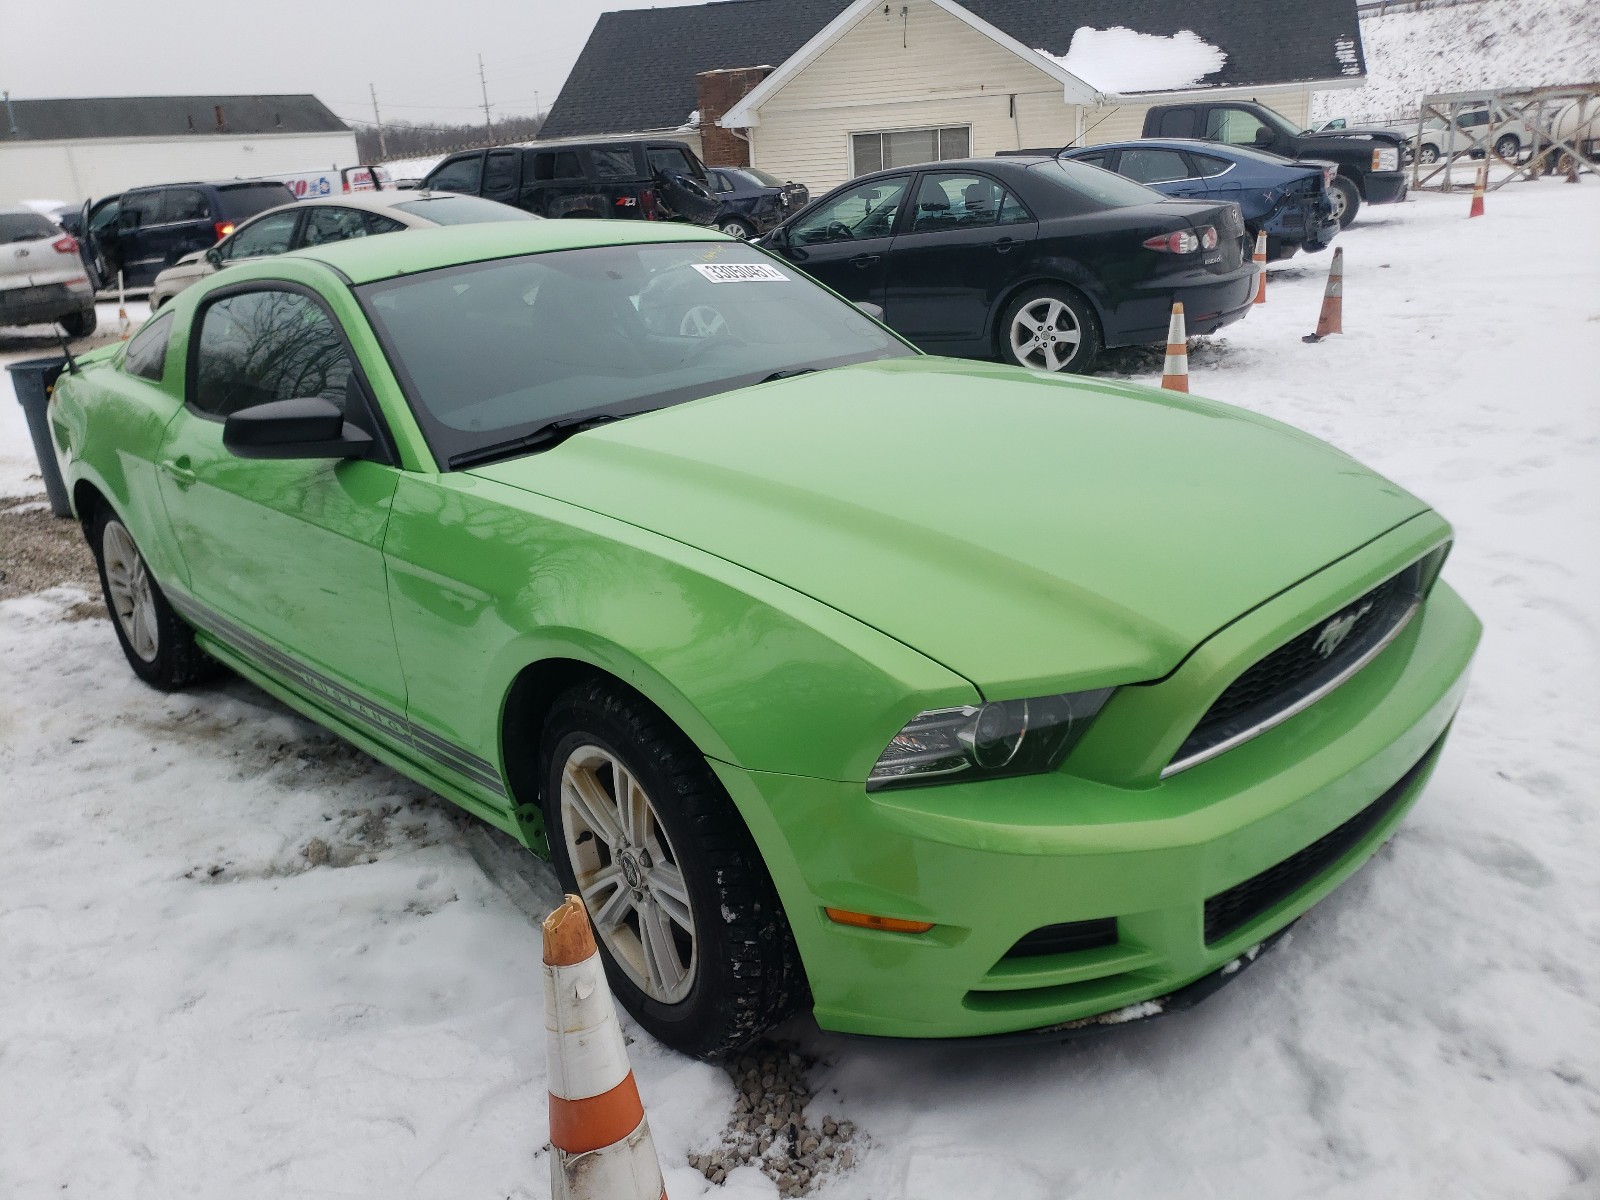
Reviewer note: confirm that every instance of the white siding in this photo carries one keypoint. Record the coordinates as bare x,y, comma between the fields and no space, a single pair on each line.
929,70
77,170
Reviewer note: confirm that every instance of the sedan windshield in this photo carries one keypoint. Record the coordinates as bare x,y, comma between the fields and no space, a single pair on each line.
489,352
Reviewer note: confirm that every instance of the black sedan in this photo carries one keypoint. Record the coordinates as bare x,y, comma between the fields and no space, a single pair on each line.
753,201
1030,260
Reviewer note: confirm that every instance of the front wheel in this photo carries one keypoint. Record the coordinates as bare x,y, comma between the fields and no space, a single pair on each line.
1050,328
694,939
1508,146
1346,201
1429,155
158,644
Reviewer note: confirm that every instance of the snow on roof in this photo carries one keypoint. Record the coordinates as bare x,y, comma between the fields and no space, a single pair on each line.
1120,61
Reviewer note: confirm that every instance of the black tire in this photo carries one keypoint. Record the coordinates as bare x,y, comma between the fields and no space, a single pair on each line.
1083,316
82,323
1346,200
746,973
1429,155
735,227
176,661
1508,146
1278,249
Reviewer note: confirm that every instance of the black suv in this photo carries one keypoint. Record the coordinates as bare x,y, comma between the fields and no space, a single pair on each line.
641,180
144,231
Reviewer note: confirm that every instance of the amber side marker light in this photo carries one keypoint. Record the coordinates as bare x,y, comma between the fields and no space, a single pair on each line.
840,916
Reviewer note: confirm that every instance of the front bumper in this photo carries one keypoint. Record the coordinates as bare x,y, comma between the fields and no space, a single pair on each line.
1385,187
990,863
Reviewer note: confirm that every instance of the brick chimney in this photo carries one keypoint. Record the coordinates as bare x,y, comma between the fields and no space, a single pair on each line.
717,92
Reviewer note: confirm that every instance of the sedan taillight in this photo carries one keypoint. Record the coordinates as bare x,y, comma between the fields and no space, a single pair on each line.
1184,242
65,245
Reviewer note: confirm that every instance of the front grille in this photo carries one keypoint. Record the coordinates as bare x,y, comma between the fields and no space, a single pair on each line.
1244,902
1305,667
1066,938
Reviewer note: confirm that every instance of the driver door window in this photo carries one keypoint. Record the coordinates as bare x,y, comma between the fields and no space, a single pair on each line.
865,211
269,235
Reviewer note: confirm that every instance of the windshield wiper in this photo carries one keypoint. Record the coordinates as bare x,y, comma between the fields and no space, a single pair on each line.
542,438
789,374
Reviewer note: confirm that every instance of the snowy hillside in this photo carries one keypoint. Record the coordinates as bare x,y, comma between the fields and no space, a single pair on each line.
1498,43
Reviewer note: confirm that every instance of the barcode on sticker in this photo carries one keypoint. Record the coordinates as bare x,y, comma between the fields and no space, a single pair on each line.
741,273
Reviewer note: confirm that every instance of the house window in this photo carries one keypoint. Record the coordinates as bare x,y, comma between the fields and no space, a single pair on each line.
907,147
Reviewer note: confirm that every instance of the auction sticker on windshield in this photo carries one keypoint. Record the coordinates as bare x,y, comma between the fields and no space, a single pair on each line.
740,273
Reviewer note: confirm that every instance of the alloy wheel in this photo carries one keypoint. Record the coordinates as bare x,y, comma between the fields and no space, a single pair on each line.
129,584
627,873
734,229
1045,335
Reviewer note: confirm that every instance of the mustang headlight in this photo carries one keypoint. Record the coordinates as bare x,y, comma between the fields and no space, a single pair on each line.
1005,737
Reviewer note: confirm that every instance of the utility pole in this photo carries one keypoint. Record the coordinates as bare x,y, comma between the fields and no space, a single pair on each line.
377,119
487,123
11,114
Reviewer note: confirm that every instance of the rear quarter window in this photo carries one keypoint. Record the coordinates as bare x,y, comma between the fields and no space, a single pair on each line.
246,200
146,356
614,162
24,227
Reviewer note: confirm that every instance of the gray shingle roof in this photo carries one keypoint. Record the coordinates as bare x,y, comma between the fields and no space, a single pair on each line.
166,116
637,70
1267,41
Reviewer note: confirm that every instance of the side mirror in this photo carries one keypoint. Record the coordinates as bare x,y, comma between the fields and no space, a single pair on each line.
872,310
308,427
214,257
1265,136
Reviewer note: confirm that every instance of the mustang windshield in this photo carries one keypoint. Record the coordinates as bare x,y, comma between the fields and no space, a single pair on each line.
490,351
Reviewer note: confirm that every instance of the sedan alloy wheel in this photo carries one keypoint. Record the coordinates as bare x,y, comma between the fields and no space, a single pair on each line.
1051,331
628,873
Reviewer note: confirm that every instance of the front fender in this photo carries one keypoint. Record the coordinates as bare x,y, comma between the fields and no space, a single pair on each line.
486,579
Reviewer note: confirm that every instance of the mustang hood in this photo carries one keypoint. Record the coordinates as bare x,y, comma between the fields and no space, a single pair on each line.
1022,530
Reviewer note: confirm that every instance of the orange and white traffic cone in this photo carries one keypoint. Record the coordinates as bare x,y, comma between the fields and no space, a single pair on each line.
1478,186
124,326
1175,376
1260,259
600,1144
1331,319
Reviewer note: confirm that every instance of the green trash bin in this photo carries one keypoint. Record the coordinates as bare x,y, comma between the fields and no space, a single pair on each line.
33,380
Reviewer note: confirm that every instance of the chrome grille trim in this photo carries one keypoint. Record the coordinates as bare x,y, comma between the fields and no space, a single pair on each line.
1297,698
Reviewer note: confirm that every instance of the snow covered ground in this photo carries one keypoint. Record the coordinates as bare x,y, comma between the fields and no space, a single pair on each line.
1465,48
239,959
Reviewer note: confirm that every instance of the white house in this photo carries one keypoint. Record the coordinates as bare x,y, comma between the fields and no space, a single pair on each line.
78,148
879,83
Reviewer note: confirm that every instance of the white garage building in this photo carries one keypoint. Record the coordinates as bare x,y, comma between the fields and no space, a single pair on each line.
77,148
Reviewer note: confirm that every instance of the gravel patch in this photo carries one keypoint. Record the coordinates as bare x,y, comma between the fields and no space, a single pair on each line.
771,1128
39,551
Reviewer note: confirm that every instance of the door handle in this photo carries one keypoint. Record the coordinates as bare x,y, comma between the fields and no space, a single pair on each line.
864,260
1004,244
182,474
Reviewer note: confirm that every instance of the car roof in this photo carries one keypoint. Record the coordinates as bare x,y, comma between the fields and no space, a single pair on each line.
363,260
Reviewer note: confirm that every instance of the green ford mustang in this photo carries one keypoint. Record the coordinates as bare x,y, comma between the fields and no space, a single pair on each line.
947,698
